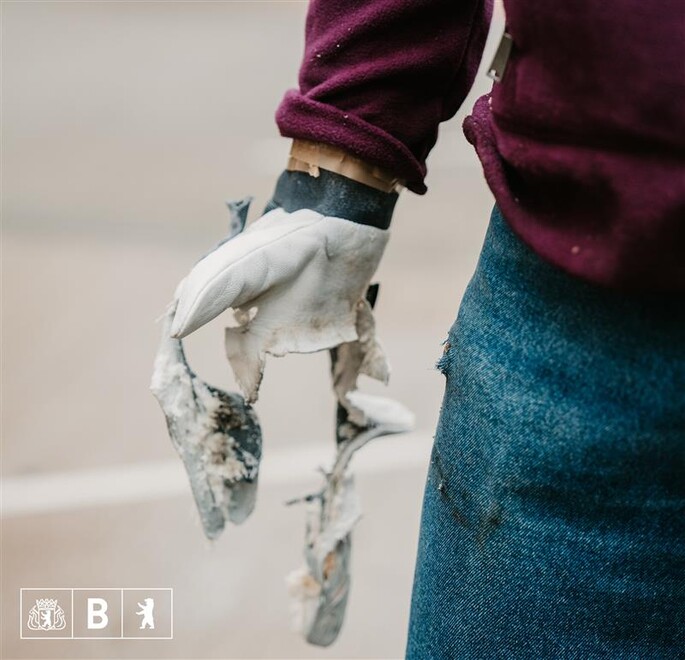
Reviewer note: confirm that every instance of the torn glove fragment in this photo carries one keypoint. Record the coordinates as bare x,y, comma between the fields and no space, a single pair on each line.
319,589
216,433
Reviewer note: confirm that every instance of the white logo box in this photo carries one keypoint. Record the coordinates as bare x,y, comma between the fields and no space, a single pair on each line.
96,613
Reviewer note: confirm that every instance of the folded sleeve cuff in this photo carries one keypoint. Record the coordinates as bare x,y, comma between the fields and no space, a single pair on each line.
302,118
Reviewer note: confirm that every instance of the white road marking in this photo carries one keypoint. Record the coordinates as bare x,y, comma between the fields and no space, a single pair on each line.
52,492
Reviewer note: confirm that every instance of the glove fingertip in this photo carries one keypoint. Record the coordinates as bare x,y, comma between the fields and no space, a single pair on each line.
178,330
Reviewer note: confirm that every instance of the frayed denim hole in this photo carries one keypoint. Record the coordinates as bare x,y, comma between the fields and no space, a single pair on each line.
480,522
442,485
445,360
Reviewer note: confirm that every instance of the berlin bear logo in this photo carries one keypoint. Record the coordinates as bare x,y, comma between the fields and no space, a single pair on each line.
145,611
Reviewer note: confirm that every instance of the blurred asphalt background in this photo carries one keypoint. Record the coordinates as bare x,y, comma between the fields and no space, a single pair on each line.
125,127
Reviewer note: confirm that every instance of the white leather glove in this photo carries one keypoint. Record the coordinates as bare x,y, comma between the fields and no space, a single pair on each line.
296,282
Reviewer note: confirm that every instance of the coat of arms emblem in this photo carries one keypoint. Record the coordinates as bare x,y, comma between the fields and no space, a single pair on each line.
46,614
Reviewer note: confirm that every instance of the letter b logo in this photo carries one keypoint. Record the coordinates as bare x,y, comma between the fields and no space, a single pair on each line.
97,613
97,617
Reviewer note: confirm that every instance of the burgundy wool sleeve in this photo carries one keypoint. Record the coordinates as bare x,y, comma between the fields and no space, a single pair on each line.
378,77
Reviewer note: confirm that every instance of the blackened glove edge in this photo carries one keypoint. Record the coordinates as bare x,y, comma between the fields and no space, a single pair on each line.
334,195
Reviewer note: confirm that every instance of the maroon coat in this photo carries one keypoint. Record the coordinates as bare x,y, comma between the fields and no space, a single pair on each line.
582,141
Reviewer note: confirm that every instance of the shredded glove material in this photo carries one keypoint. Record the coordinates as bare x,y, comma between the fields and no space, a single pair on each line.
298,283
319,589
216,433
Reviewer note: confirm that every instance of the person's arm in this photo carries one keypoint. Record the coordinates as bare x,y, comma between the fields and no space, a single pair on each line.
378,77
376,80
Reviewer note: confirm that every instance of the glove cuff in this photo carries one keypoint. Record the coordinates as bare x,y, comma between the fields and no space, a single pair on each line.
333,195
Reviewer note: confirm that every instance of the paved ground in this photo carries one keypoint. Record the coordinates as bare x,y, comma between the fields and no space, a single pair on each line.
125,126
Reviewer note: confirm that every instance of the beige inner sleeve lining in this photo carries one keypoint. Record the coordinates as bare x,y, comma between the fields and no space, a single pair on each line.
311,157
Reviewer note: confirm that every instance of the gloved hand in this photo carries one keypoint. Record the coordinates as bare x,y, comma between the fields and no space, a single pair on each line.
296,281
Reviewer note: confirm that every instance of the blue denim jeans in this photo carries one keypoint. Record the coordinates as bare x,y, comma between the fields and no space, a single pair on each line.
553,522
